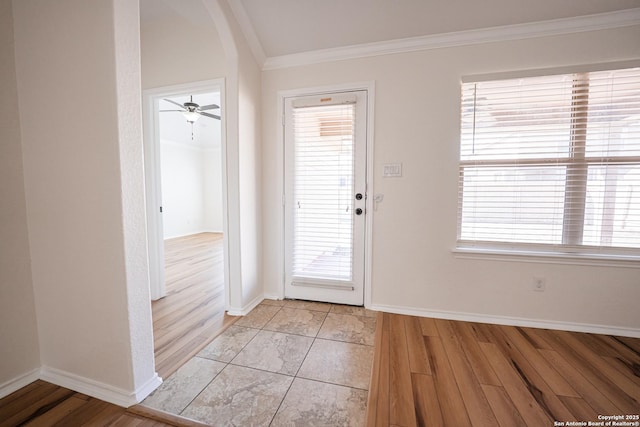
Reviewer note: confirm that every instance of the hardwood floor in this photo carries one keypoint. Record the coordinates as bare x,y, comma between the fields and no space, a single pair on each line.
42,404
192,314
432,372
185,321
428,372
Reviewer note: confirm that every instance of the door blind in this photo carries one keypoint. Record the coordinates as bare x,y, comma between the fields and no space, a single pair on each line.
323,191
552,160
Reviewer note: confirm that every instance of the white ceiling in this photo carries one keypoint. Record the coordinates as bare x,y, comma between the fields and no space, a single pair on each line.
287,27
174,126
275,28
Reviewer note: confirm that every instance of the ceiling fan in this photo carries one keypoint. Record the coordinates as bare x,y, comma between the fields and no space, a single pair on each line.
193,111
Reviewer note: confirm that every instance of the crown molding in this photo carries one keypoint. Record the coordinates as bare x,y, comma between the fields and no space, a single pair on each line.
247,29
602,21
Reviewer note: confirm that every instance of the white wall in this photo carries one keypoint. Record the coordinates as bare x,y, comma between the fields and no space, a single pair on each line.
250,178
181,46
176,50
416,122
191,189
165,61
19,352
212,188
182,189
83,178
243,157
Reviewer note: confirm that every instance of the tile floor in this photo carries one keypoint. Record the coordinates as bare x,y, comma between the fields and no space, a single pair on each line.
287,363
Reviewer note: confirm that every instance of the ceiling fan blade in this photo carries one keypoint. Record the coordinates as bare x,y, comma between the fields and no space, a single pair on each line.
213,116
173,102
209,107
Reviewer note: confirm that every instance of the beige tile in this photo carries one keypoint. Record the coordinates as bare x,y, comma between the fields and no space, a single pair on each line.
258,317
349,328
350,309
275,352
184,385
338,363
276,302
312,403
228,344
307,305
295,321
240,396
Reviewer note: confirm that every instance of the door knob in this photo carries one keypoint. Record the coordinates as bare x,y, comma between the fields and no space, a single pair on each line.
358,211
359,196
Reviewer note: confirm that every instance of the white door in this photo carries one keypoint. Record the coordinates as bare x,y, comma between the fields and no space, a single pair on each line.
325,194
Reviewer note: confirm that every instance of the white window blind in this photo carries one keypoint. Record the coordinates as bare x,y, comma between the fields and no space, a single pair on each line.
552,161
323,191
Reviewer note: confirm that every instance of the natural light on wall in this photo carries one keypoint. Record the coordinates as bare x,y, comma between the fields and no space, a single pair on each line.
551,162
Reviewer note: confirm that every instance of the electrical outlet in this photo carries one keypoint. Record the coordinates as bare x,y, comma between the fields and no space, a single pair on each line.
539,284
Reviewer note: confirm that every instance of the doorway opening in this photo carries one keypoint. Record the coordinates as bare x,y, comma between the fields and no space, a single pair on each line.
186,203
191,164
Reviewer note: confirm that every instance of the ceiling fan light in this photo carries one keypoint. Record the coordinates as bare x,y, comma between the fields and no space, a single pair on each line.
191,116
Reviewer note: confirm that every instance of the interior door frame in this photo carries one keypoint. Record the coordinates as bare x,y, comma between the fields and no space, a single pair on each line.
153,186
369,88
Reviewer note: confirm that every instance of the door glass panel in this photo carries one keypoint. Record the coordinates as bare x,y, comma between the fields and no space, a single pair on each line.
323,191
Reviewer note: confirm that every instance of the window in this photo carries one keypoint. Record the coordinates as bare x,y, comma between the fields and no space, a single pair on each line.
551,163
324,152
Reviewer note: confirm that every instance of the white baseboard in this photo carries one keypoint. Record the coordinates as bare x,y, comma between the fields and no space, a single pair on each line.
147,388
191,233
243,311
510,321
99,390
17,383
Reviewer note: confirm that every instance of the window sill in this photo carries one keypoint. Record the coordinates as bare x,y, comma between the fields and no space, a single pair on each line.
519,255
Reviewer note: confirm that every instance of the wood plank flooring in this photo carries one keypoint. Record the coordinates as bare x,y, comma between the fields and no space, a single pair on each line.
432,372
192,314
43,404
428,372
185,321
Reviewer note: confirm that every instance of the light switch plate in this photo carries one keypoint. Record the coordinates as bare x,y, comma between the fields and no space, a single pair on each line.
392,170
